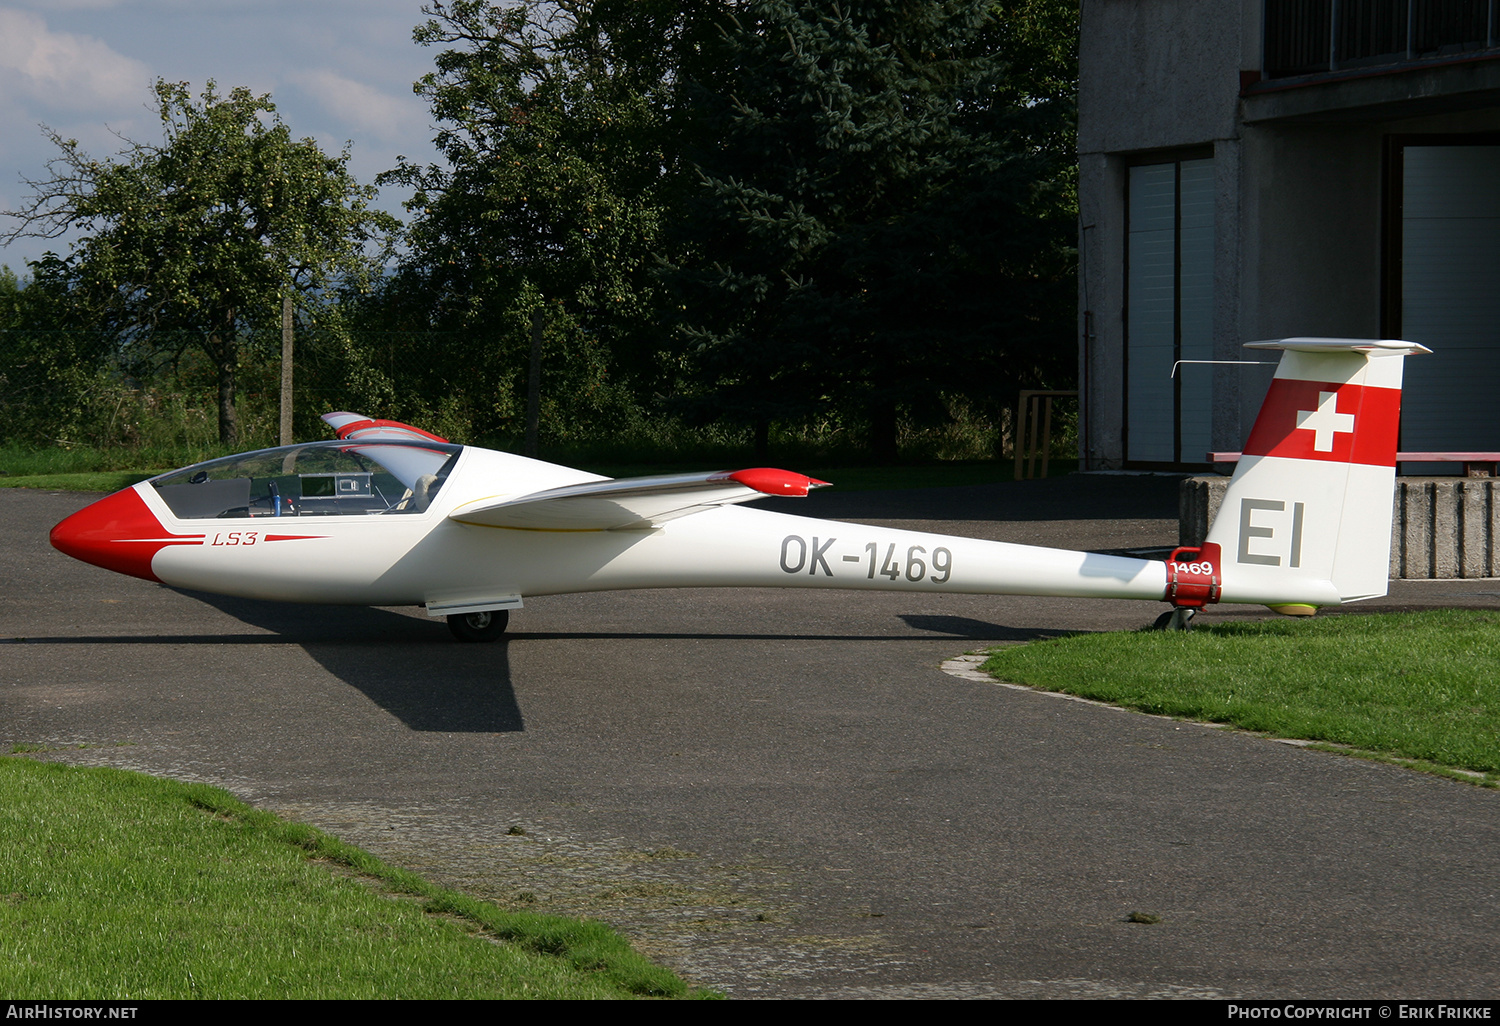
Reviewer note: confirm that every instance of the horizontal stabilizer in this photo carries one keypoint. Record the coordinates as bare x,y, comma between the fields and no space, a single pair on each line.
1342,345
631,504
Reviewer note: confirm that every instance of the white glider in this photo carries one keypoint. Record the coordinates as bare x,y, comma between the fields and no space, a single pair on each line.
388,514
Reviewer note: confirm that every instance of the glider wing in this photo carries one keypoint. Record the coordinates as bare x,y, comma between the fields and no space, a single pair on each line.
630,504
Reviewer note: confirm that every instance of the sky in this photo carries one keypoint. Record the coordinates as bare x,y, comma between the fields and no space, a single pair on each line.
340,71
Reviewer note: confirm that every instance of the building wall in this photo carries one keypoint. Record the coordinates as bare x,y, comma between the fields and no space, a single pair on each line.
1300,190
1313,211
1155,76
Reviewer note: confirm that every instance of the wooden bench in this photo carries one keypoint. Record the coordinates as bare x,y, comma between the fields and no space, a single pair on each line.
1476,464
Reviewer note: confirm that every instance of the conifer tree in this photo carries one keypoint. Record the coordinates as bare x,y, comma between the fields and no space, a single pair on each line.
882,212
552,118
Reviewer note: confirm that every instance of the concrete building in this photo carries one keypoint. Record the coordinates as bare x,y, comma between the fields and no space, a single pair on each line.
1254,169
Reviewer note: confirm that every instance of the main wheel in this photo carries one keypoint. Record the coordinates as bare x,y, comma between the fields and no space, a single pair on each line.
1179,618
485,626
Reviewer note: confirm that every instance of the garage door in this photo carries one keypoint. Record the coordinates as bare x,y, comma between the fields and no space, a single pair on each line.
1450,297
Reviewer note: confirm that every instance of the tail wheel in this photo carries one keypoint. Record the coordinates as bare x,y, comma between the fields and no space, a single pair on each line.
1179,618
483,626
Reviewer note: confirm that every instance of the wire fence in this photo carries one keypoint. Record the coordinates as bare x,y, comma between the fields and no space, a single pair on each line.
94,390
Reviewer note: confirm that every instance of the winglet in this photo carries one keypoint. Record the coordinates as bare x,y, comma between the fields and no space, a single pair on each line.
356,426
772,481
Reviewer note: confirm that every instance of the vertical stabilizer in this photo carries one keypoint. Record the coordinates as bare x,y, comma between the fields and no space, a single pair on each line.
1307,515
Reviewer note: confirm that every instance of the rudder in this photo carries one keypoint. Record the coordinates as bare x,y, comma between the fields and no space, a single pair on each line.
1307,516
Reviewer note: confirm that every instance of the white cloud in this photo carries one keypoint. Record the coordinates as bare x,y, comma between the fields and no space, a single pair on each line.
64,70
73,5
366,110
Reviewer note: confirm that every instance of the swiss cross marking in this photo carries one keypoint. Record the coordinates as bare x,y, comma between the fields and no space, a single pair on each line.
1325,422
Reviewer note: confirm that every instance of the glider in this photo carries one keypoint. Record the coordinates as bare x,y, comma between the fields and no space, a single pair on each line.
389,514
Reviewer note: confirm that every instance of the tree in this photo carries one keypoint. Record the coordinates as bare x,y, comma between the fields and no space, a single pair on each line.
52,365
883,210
553,133
192,242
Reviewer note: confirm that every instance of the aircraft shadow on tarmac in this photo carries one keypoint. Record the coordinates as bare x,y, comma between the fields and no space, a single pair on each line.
976,630
410,668
413,669
330,625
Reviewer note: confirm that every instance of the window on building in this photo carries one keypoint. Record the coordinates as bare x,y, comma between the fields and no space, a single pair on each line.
1311,37
1169,313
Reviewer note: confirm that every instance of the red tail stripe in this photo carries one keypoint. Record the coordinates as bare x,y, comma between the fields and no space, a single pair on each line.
1370,438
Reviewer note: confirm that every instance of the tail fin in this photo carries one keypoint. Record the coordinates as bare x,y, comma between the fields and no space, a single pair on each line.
1307,516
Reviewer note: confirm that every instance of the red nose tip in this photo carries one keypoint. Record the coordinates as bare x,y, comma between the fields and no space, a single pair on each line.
118,533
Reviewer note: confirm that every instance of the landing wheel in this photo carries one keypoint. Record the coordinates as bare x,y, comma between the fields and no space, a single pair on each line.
485,626
1179,618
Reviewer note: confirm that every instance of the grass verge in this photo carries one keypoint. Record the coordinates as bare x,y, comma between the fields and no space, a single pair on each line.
116,885
846,479
1411,686
94,481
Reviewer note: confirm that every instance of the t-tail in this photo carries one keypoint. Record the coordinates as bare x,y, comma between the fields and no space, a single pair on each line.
1306,520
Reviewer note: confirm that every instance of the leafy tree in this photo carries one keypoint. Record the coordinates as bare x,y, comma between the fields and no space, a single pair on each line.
52,364
190,243
883,213
555,148
10,298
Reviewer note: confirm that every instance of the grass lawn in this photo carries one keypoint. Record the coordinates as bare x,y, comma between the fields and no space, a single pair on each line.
116,885
1423,687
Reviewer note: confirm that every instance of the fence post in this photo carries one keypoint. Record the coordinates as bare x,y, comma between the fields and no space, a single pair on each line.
286,368
534,384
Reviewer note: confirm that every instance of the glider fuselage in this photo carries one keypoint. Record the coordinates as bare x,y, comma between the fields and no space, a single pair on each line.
387,557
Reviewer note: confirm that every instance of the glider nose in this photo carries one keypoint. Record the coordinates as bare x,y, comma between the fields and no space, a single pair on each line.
117,533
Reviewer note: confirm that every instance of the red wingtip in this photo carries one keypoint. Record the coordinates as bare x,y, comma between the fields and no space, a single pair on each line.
389,427
776,482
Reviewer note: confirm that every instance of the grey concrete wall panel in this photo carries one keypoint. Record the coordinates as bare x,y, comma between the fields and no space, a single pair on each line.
1315,239
1441,528
1446,528
1411,544
1476,536
1412,93
1155,74
1443,534
1196,318
1101,296
1198,502
1229,427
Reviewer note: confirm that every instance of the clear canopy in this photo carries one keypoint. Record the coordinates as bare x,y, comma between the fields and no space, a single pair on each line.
345,478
